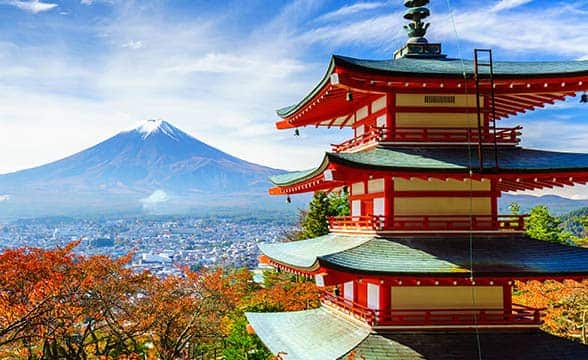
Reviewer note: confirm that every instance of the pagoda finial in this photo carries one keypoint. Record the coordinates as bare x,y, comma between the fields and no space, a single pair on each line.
416,13
417,46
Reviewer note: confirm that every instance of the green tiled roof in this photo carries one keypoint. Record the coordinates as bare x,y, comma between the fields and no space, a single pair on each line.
511,255
449,160
287,178
454,67
307,335
304,254
442,256
443,67
322,335
532,345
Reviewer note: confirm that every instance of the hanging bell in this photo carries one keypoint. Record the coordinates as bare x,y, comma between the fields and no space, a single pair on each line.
296,132
584,98
349,96
288,199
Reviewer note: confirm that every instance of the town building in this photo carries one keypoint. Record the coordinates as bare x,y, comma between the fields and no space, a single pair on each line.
425,264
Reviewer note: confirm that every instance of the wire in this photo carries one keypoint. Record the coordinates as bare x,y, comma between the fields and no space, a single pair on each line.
470,171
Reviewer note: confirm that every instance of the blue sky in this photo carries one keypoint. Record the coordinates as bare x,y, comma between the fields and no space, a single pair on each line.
73,73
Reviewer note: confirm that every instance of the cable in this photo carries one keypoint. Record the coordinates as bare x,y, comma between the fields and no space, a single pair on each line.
470,171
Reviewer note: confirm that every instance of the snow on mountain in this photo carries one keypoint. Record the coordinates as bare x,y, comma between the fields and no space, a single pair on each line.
153,126
128,168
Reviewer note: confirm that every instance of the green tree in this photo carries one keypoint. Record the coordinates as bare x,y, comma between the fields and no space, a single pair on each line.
515,208
315,221
240,345
541,225
584,221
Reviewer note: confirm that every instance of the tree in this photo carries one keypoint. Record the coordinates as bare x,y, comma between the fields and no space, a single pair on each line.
515,208
240,345
314,222
183,312
541,225
564,304
54,304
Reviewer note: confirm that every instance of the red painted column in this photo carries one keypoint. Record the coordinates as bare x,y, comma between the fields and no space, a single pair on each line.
494,202
362,293
385,302
507,298
389,201
391,112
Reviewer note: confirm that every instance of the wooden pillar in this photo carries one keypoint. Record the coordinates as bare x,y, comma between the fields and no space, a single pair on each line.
390,112
385,299
361,293
494,202
389,202
507,297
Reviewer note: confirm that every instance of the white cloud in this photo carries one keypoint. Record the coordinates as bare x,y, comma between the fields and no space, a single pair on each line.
135,45
351,9
509,4
87,2
158,196
4,198
32,6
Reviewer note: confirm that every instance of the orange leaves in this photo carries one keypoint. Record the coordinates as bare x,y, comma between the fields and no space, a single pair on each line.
564,303
282,294
54,304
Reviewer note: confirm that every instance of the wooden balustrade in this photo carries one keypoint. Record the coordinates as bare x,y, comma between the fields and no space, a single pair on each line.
518,315
429,223
368,315
509,136
481,316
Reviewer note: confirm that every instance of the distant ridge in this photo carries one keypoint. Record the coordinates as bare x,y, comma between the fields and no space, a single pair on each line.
557,205
154,167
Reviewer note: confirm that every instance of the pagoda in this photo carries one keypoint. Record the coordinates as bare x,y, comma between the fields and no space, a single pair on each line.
425,264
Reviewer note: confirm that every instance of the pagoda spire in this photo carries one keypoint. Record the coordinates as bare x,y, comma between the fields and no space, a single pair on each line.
417,45
416,12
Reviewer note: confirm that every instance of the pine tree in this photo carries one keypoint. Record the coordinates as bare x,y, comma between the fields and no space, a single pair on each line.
315,221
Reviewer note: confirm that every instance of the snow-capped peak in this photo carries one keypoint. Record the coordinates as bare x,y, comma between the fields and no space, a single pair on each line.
153,126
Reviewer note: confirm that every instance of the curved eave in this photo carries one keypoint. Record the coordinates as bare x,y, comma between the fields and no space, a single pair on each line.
301,181
310,110
289,110
519,168
303,255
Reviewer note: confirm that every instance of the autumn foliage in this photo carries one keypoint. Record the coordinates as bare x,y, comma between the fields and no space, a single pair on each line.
564,304
56,305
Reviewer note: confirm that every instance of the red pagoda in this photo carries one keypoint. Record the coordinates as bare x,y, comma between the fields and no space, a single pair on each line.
424,266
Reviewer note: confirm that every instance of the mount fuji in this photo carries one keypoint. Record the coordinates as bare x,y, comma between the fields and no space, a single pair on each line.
154,167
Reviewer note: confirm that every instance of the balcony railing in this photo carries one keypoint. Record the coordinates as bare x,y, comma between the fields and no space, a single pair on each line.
518,315
504,136
428,223
350,307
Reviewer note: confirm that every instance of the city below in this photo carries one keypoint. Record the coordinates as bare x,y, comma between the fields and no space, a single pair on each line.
162,245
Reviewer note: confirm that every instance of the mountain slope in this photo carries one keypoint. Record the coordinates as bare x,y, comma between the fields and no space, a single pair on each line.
128,170
557,205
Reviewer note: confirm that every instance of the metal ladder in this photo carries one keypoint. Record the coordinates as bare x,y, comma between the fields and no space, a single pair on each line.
485,80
